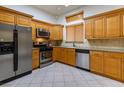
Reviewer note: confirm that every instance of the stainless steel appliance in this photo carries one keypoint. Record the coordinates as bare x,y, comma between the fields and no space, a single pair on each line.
15,51
6,60
42,33
23,50
82,58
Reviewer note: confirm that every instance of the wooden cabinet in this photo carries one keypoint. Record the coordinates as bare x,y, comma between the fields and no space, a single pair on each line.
23,20
89,29
122,24
112,65
7,17
71,57
74,17
113,25
99,27
33,31
64,55
123,68
70,33
78,36
35,58
57,32
96,61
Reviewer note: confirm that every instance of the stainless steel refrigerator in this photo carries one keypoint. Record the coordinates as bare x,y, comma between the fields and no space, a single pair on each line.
20,61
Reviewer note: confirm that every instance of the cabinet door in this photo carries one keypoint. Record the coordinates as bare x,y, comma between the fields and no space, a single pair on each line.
33,31
55,33
70,33
60,32
113,25
35,58
99,27
112,65
123,68
64,55
55,53
7,17
122,21
71,57
23,21
79,33
96,61
89,29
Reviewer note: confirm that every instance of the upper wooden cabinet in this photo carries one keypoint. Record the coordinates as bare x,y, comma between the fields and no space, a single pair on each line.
89,29
7,17
107,25
96,61
33,31
70,33
74,17
78,33
23,21
57,32
10,16
99,27
113,25
122,24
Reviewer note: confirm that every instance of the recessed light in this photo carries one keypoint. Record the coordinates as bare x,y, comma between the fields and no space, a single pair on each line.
66,5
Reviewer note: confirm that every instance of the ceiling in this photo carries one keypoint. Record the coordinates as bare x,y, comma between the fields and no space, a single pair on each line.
57,10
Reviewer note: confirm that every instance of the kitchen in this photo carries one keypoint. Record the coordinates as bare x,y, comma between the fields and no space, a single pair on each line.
62,46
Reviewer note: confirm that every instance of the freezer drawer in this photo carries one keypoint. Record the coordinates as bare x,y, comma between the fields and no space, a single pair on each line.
6,66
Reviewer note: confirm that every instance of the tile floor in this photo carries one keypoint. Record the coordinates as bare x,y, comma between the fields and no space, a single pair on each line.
60,75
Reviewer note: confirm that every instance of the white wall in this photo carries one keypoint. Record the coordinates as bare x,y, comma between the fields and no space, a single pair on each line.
38,14
89,10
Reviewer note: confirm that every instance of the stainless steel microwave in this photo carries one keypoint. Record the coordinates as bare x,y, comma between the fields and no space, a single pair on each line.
42,33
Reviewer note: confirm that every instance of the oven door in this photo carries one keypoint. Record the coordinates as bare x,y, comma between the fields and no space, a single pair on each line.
45,56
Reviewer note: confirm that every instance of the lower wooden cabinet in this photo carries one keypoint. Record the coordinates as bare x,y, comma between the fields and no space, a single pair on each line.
96,63
123,69
112,65
65,55
35,58
107,63
71,57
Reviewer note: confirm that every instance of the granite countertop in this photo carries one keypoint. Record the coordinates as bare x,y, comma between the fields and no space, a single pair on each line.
97,48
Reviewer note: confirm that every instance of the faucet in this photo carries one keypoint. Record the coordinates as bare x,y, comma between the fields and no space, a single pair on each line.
73,44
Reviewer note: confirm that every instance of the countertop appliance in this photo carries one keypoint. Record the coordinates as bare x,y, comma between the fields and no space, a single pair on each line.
42,33
82,58
15,51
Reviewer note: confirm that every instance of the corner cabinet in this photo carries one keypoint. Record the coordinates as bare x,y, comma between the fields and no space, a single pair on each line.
64,55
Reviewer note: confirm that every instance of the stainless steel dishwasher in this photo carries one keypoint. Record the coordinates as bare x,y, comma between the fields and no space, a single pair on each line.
82,58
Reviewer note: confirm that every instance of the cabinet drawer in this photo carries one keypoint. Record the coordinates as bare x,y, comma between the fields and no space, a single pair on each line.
112,55
23,21
96,53
7,17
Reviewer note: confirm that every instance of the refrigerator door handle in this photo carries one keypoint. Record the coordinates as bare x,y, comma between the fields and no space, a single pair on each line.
15,50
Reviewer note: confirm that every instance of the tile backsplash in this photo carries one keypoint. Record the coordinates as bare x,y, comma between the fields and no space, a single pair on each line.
110,43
